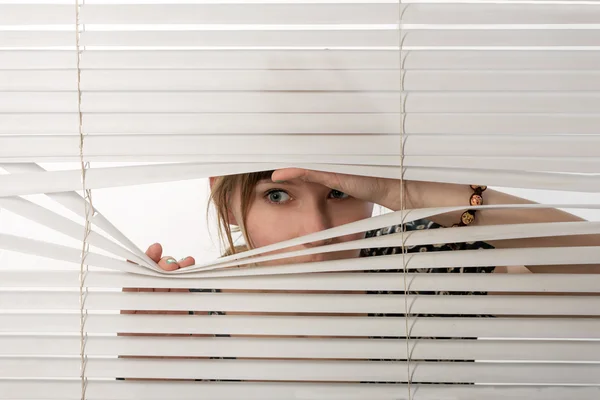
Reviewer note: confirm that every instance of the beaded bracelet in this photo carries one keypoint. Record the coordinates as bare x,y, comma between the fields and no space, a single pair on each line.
476,199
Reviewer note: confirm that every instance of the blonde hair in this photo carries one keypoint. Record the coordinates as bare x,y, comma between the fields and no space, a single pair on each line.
222,191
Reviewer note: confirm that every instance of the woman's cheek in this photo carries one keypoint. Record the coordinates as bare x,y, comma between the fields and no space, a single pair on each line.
268,226
351,210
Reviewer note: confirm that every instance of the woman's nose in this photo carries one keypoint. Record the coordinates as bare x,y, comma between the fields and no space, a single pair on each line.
315,220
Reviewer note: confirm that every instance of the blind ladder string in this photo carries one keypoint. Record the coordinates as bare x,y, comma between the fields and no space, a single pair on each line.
402,194
89,209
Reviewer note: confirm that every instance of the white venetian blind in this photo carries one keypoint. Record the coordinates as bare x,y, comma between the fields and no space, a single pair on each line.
502,93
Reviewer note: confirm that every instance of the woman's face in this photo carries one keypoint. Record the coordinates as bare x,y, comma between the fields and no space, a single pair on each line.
282,211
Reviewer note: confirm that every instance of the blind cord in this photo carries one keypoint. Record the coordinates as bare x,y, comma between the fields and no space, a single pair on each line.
89,211
402,193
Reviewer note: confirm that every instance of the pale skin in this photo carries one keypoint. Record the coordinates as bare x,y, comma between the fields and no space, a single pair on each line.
298,202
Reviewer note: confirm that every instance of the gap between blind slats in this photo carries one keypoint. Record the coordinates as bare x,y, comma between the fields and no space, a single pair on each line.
356,371
391,281
423,236
71,200
302,123
505,327
70,228
439,39
304,59
299,80
317,348
301,12
67,227
299,102
465,258
306,303
149,390
432,237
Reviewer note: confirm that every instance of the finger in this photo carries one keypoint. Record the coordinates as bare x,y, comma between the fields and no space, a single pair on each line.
287,174
155,252
186,262
328,179
168,264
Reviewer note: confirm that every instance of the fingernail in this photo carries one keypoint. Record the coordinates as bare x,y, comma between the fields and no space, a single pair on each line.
171,261
182,259
279,181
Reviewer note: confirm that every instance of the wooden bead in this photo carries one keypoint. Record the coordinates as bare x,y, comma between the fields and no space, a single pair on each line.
467,217
476,199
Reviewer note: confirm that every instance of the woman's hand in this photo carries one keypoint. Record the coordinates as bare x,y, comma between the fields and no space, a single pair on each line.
382,191
167,263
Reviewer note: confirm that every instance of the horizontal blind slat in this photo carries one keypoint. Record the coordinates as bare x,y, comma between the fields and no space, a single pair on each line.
434,237
373,12
299,102
353,38
298,80
214,102
522,327
506,60
465,258
184,80
291,13
567,283
390,145
513,373
547,164
204,39
301,12
439,38
51,182
219,59
311,348
153,390
306,303
301,123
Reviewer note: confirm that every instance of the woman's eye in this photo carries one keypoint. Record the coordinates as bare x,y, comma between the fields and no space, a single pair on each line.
278,196
336,194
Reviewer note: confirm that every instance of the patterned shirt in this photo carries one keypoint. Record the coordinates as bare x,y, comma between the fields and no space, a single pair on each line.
418,225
